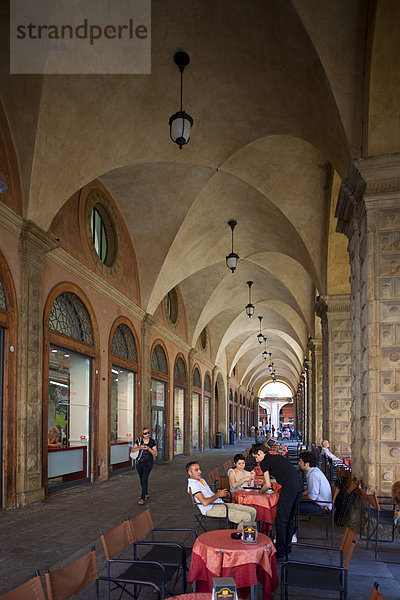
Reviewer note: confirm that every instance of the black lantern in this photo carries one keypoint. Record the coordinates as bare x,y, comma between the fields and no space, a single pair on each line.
180,123
232,259
260,336
249,307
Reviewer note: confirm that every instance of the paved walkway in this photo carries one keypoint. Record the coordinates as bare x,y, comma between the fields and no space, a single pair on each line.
53,533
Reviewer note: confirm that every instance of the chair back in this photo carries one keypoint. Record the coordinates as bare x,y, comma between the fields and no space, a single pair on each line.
351,486
117,539
67,581
142,525
347,546
30,590
213,476
375,595
223,483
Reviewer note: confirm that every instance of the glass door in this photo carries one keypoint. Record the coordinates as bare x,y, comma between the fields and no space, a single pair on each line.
206,422
122,421
179,419
158,392
195,422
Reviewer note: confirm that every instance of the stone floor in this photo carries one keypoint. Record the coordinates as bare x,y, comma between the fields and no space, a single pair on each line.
53,533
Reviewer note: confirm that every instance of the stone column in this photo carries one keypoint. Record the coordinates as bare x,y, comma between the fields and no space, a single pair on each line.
145,408
338,428
34,244
369,214
321,309
317,395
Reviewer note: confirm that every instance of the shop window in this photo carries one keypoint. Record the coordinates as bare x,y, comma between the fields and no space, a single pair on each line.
159,360
122,409
179,405
68,417
171,305
69,316
195,422
69,395
3,303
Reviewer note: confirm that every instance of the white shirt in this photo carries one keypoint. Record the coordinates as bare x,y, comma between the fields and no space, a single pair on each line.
329,454
197,486
318,487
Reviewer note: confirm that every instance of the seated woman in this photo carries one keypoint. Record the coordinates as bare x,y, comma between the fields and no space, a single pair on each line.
239,477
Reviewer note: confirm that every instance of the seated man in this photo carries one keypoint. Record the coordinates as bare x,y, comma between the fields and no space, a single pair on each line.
209,502
326,452
317,499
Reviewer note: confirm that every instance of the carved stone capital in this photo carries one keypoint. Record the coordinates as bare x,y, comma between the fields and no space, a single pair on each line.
321,308
34,244
349,206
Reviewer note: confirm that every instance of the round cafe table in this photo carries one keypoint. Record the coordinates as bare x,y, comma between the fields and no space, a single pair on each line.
265,504
216,554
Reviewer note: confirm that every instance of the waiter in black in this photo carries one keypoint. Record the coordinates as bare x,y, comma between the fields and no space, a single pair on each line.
291,492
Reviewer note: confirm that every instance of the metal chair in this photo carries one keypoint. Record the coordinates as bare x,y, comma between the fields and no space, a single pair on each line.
329,516
378,513
64,583
201,519
317,575
30,590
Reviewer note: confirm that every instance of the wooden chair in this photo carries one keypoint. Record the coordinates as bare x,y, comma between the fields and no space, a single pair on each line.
320,576
375,595
201,520
172,554
64,583
30,590
213,477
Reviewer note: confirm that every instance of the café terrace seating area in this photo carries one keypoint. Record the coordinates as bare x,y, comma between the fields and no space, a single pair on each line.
87,536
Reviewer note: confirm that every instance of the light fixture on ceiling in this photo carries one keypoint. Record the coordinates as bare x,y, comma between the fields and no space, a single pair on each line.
180,123
232,259
265,354
260,336
249,307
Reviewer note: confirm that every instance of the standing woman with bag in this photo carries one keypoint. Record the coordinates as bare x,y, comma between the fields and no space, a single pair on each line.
144,463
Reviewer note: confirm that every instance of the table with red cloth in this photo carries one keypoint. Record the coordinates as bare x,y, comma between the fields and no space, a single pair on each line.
216,554
265,504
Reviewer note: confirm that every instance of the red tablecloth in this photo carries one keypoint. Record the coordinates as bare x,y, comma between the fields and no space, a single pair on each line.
216,554
265,504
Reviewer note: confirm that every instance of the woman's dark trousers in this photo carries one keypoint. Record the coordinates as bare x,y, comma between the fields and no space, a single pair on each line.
144,468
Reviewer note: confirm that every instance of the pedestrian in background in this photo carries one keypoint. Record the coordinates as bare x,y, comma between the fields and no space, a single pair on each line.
144,463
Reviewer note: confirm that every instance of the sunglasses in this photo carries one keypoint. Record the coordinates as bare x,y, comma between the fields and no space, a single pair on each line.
146,432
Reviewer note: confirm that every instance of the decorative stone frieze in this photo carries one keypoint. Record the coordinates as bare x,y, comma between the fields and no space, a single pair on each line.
34,244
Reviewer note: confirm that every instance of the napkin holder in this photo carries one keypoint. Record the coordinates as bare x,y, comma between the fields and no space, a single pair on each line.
224,588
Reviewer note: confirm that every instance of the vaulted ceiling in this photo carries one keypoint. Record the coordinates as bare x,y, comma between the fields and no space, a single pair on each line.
276,92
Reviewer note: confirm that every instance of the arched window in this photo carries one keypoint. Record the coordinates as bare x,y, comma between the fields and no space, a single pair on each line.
159,380
122,401
159,360
180,388
180,370
69,316
69,392
196,410
123,343
207,411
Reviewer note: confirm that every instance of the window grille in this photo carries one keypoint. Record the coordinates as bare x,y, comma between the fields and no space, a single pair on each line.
180,371
3,303
123,343
196,379
207,384
69,316
159,360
